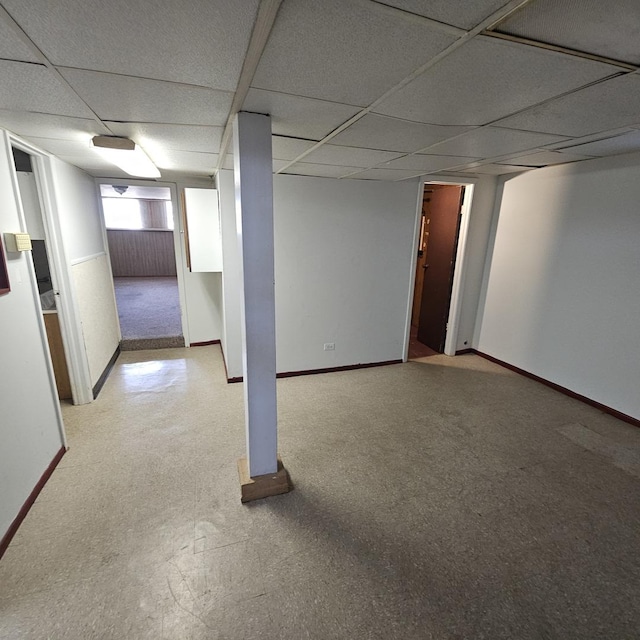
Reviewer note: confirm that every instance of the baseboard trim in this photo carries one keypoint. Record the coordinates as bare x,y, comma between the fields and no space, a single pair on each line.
206,343
22,514
567,392
312,372
105,374
464,352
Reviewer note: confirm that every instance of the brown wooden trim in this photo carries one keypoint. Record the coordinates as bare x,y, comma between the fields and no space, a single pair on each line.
311,372
206,343
567,392
464,352
22,514
105,374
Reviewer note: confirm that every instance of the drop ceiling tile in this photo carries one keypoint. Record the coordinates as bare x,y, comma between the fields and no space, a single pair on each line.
385,174
115,97
60,147
624,143
170,136
544,158
348,52
320,170
460,13
185,161
13,48
391,134
95,166
201,42
32,87
298,117
487,79
277,164
349,156
284,148
490,142
428,163
601,28
228,162
43,125
495,169
607,105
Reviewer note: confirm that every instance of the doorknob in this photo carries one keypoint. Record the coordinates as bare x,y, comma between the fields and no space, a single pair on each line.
425,266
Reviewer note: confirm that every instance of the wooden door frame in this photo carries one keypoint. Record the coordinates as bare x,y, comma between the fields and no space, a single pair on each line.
455,307
178,244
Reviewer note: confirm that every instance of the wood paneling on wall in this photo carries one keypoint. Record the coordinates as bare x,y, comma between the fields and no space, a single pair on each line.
141,253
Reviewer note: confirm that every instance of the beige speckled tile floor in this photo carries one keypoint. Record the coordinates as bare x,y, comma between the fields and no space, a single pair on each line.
448,498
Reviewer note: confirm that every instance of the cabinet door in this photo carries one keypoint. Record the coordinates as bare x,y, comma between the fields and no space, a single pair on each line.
202,230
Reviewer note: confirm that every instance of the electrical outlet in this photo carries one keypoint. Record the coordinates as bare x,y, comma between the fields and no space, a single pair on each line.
329,346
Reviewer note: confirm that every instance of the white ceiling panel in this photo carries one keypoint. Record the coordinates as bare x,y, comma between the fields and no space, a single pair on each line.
320,170
170,136
298,117
428,163
43,125
487,79
385,174
75,147
544,158
494,169
489,142
12,47
460,13
32,87
349,156
348,52
115,97
289,148
95,165
608,29
624,143
391,134
607,105
185,161
199,42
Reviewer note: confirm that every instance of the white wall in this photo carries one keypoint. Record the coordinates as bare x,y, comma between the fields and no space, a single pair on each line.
84,242
30,426
343,250
563,291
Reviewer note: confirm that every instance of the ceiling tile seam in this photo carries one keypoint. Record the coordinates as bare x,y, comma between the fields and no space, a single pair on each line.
392,10
8,19
265,19
134,77
575,53
506,10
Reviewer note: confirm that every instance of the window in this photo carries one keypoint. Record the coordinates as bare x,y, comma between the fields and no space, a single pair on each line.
122,213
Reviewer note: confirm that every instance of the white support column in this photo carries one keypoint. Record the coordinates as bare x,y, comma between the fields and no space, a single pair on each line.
254,216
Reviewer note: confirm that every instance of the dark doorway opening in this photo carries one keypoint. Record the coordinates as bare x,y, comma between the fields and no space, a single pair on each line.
437,246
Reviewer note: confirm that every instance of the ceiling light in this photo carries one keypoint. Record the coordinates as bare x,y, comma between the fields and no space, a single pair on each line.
127,155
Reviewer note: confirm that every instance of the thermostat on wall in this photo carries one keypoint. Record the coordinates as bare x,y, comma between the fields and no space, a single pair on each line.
16,242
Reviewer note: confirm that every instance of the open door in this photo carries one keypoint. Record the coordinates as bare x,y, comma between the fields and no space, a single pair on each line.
441,226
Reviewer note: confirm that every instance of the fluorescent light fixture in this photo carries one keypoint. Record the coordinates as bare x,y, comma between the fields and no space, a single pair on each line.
127,155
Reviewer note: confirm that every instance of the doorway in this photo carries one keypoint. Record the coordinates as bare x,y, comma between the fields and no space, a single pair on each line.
44,273
139,223
438,238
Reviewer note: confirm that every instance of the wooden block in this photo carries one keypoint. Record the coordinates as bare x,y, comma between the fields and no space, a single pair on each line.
270,484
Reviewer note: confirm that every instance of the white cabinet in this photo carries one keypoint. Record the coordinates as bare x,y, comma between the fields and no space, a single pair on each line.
202,230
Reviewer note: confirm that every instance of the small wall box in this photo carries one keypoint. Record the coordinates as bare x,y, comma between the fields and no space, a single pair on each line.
17,242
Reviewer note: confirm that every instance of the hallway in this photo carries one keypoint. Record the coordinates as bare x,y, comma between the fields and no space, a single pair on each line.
440,499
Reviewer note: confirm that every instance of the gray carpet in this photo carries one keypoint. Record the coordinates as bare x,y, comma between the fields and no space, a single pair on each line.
438,500
149,312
